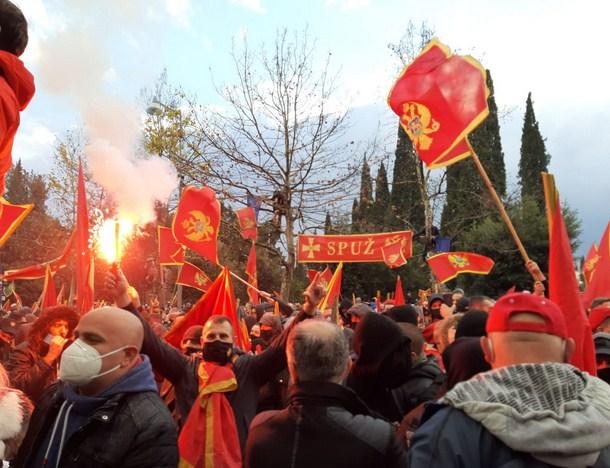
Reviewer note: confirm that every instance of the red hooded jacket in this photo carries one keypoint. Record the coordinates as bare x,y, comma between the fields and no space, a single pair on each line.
16,91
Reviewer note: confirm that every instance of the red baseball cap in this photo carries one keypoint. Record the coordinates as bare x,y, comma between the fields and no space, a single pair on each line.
597,316
499,316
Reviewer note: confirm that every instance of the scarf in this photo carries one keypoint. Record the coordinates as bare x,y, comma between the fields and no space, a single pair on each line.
209,437
553,411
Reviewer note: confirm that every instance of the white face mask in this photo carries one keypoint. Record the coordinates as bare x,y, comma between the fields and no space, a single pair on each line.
81,363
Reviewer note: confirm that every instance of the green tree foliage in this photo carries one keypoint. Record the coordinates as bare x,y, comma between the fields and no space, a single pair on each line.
468,201
491,238
382,199
328,225
366,201
534,157
406,206
39,238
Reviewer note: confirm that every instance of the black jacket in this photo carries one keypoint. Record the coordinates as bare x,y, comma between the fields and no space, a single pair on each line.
424,383
325,425
251,373
132,430
28,371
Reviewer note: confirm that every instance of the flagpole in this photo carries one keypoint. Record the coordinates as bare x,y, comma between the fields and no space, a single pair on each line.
500,206
238,278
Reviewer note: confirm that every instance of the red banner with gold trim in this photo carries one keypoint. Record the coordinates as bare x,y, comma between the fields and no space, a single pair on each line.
357,248
11,217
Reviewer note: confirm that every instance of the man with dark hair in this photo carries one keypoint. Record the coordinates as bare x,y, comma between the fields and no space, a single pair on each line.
403,314
218,379
16,83
602,355
326,424
531,410
32,366
105,411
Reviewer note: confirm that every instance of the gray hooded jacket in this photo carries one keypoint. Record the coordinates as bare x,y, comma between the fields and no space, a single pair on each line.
533,415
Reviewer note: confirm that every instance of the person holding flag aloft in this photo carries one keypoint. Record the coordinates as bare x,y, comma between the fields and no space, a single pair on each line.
227,383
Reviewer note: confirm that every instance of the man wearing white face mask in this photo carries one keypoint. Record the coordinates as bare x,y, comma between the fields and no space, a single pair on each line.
105,411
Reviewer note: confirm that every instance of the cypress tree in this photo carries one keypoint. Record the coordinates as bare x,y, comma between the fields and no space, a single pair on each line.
467,198
365,204
328,227
17,185
406,205
382,198
355,217
534,157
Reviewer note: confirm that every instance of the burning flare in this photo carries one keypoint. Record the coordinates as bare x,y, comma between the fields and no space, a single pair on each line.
112,238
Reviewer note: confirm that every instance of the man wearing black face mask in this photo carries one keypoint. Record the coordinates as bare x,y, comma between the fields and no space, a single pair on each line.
270,327
243,375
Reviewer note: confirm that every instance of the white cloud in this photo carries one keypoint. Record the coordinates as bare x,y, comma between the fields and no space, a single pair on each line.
180,11
253,5
33,142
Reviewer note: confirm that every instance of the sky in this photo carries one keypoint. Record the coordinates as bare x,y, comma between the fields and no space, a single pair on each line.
551,48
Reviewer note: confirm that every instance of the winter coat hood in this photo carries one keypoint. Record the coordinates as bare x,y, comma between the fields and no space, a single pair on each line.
19,79
556,413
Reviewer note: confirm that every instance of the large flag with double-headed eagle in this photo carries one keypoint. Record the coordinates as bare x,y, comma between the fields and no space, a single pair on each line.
448,265
440,98
197,221
193,277
170,251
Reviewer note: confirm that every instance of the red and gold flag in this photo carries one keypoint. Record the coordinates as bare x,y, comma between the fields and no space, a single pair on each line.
10,218
311,274
38,271
197,221
448,265
217,300
440,98
170,251
393,255
600,280
247,222
590,263
192,276
84,258
333,287
563,286
399,295
357,248
252,276
48,298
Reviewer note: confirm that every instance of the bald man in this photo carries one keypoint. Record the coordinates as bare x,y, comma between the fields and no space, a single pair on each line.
531,410
105,410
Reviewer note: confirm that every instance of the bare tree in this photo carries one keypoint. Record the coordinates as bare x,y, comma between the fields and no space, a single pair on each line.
280,136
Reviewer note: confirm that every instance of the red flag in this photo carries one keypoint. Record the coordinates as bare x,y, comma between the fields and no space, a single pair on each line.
448,265
590,263
563,286
440,98
16,91
247,222
197,221
192,276
39,270
393,255
10,218
170,251
600,280
399,295
84,286
245,336
311,274
378,304
48,298
252,277
218,300
333,288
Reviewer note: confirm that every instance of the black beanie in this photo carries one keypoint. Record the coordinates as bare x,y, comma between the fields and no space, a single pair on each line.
403,314
472,324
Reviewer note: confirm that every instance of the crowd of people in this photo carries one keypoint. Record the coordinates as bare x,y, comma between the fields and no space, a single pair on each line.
451,381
